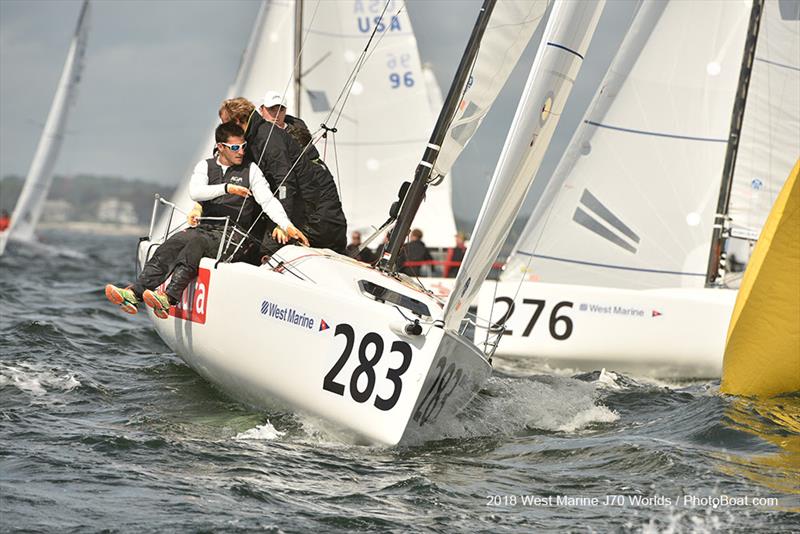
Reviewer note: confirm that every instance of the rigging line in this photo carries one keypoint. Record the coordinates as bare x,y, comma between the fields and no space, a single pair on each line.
290,80
273,195
346,88
289,172
315,64
336,161
491,314
356,68
365,58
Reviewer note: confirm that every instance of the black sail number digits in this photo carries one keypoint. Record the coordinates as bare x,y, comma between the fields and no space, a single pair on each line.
370,351
435,398
559,325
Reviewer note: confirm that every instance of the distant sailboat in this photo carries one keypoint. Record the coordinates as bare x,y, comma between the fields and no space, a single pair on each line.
30,204
612,267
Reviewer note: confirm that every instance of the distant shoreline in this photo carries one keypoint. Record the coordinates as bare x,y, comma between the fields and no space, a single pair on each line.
98,228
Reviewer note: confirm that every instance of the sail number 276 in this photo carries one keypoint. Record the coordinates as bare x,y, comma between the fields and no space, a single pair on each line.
370,351
559,324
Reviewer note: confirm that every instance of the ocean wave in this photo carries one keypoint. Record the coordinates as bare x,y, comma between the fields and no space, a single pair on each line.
35,379
265,432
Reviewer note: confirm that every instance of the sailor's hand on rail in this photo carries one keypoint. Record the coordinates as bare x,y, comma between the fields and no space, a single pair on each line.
193,218
279,235
294,233
238,190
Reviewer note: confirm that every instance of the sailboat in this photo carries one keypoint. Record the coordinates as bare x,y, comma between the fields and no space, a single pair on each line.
364,347
685,146
30,204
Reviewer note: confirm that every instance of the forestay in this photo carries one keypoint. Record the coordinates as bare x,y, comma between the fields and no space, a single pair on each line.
509,31
558,60
632,202
30,204
769,141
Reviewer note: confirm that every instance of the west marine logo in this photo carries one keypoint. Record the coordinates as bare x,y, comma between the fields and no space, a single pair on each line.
292,316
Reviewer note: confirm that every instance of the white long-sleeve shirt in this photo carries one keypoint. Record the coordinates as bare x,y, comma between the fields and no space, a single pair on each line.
200,190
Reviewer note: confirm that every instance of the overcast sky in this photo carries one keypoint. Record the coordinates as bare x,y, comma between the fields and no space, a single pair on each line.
156,72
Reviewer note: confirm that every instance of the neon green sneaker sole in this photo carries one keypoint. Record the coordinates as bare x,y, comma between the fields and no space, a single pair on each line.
124,298
158,301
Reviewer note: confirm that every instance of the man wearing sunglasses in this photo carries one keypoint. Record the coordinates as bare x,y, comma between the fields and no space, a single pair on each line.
226,187
306,190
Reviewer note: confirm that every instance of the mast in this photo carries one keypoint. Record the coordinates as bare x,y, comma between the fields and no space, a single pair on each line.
422,175
298,46
716,257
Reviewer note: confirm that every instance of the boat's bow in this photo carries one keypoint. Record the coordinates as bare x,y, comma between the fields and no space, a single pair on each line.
327,335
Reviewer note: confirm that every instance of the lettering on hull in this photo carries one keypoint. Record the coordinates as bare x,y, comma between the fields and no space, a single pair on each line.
194,301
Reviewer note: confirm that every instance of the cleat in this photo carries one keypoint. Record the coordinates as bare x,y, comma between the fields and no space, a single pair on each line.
124,298
158,301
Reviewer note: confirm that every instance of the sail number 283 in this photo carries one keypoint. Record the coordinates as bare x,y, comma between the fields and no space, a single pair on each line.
370,351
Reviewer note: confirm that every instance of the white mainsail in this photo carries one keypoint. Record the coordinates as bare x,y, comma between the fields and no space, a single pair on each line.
632,202
769,141
30,204
566,38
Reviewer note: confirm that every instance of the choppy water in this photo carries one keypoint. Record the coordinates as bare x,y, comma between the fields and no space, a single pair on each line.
103,428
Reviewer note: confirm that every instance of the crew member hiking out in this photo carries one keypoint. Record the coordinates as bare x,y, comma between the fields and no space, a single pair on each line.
224,186
303,184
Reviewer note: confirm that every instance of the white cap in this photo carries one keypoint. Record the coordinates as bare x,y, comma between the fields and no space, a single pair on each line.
273,98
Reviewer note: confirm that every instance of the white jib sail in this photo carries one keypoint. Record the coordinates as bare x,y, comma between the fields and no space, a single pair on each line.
769,142
510,28
267,63
30,204
632,202
558,60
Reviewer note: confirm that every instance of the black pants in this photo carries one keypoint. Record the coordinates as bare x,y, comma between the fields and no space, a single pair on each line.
203,244
157,268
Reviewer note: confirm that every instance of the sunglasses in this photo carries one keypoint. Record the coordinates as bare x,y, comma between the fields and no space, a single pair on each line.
235,148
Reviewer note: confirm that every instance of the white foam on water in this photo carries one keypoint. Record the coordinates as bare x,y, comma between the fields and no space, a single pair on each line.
595,414
263,432
608,380
704,522
511,405
36,379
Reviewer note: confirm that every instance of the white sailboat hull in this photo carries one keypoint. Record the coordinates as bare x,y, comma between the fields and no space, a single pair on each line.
309,339
663,332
